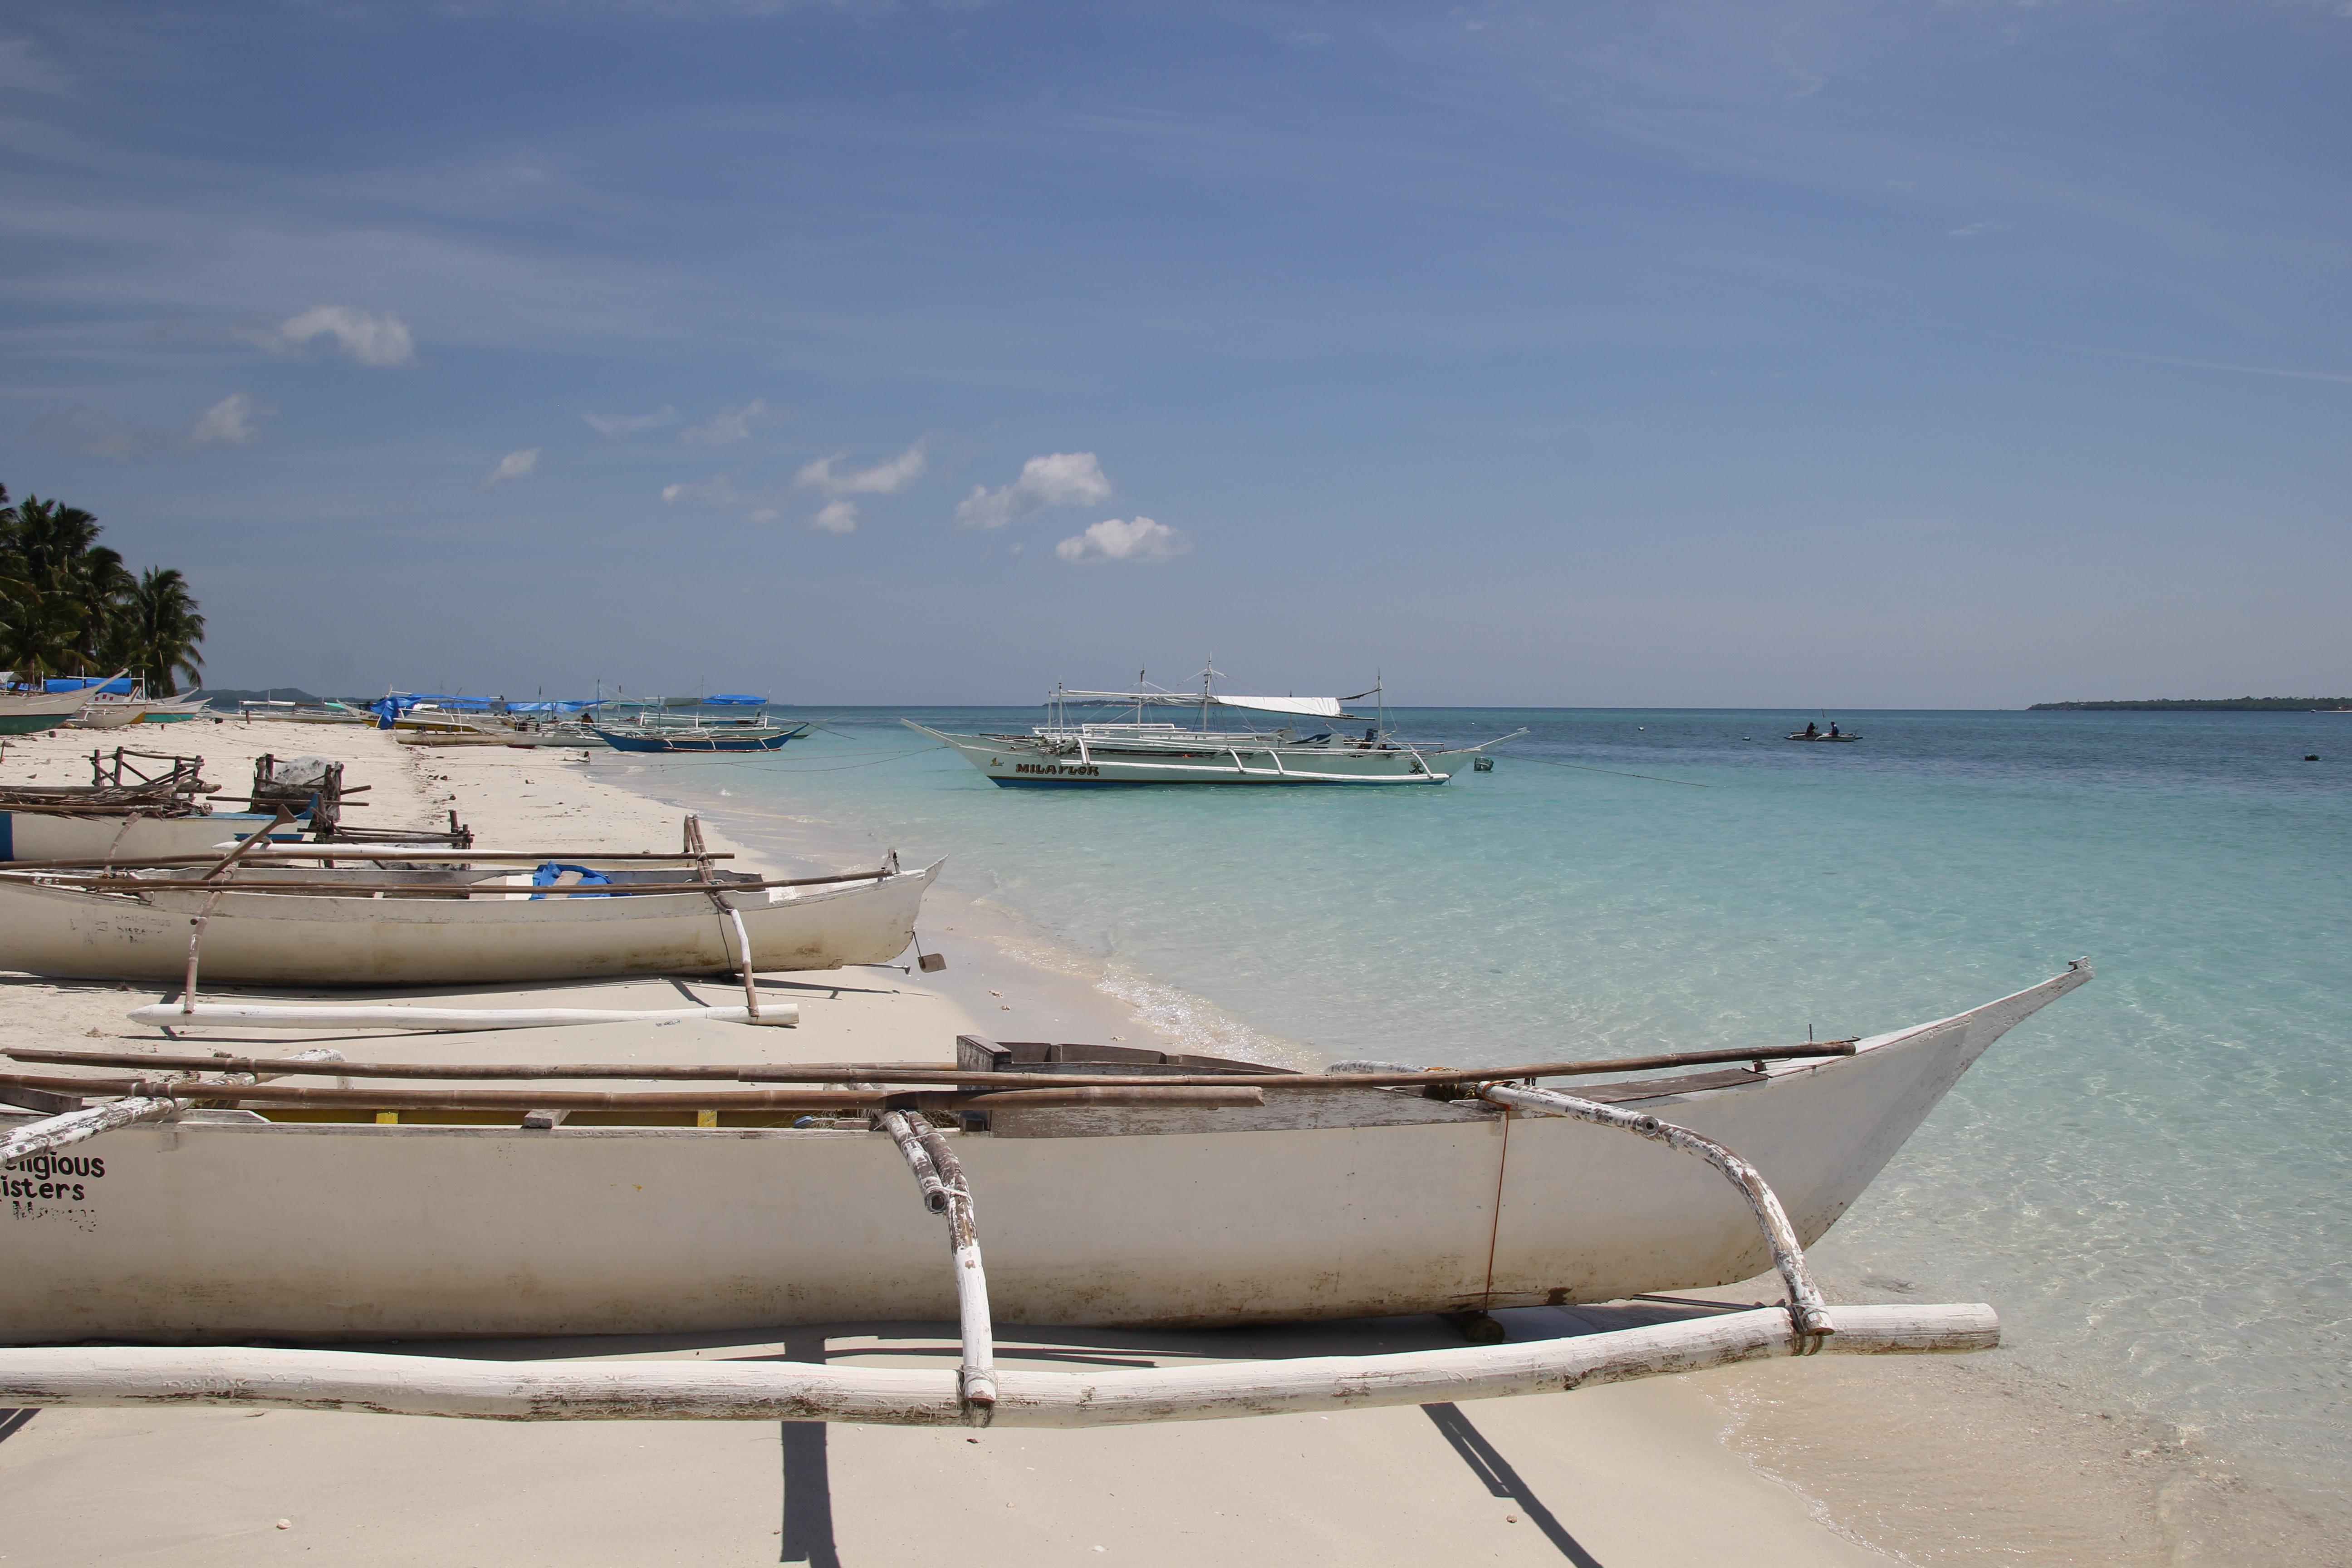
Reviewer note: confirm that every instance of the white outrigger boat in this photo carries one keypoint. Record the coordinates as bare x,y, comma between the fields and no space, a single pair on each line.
408,917
1121,1187
28,712
1062,754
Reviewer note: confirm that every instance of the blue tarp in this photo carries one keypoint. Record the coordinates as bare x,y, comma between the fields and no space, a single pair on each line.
550,872
120,687
402,702
735,699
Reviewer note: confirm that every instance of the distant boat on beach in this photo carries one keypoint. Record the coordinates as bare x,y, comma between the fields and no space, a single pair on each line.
1061,754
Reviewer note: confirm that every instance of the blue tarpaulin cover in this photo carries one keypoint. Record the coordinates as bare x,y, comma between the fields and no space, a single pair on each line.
119,687
550,872
736,698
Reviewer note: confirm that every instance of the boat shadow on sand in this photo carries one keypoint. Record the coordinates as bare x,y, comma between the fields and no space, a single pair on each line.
806,1473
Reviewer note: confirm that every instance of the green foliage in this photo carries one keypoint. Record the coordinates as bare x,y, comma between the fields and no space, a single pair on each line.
70,607
154,632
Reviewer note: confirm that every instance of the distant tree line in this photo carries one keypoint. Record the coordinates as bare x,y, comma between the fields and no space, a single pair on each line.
2197,704
69,606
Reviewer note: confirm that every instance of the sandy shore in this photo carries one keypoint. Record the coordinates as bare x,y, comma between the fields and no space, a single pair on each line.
1820,1462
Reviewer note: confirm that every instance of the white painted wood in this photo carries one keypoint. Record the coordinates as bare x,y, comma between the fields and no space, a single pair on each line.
62,1132
1805,1302
316,1231
287,939
771,1390
122,835
290,1015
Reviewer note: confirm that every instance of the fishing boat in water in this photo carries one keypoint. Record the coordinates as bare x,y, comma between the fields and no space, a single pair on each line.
196,1200
443,917
725,735
1063,754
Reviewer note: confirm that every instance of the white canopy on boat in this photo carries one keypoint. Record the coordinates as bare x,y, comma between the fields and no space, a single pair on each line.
1307,707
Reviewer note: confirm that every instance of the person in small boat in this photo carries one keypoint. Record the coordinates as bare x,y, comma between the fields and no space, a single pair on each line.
1834,730
1809,730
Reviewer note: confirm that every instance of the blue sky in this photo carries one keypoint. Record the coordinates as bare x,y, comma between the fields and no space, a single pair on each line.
1769,353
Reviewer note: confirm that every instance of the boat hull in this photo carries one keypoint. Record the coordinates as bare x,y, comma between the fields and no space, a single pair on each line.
219,1226
284,939
622,741
95,839
1020,763
28,715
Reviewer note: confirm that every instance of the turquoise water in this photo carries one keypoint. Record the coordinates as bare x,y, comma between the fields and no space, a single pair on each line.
2149,1178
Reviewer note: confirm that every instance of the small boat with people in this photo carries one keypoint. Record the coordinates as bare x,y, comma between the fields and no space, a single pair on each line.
305,1199
1064,753
1813,731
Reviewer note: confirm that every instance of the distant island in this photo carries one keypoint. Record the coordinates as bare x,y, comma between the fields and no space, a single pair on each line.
2200,704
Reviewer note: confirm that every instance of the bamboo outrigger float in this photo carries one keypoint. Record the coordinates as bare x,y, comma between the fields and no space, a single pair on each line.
1120,1193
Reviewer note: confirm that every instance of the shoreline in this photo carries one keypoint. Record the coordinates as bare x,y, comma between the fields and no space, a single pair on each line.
1826,1462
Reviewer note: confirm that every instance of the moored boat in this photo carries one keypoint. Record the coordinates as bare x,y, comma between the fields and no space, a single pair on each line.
297,1214
742,735
1062,754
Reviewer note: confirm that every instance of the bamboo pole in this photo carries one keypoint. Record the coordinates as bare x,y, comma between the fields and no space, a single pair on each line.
98,882
728,912
1806,1310
753,1099
762,1390
919,1072
945,1191
239,1015
350,851
61,1131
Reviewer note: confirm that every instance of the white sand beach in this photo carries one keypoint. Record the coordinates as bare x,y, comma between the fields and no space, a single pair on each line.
1819,1462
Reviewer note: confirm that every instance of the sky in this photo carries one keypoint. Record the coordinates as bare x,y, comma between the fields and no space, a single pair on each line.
1705,353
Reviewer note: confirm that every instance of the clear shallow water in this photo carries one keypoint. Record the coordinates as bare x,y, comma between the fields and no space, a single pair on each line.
2152,1178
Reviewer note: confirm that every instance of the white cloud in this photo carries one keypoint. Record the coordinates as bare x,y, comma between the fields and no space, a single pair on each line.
513,466
837,517
889,479
729,427
1113,540
370,337
1064,478
234,421
630,423
718,491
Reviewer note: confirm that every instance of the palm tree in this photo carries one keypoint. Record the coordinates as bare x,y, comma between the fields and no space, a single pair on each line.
62,587
154,632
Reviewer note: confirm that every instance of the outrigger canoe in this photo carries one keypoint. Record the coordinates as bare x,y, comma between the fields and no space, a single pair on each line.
389,925
270,1210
